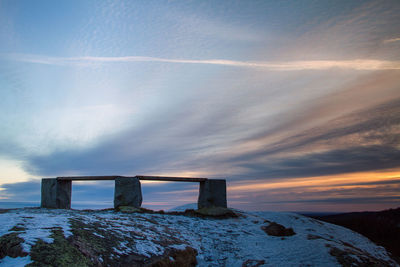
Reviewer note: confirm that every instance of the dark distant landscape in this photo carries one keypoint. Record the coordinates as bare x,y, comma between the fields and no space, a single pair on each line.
382,227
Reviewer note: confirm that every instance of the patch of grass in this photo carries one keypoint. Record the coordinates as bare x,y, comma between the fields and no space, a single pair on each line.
10,245
212,212
129,209
99,247
217,212
59,253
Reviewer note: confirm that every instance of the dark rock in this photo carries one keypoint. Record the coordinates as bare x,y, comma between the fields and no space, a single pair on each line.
276,229
4,210
17,228
253,263
175,257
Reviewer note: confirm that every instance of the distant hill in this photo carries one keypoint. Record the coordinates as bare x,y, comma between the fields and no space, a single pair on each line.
45,237
382,227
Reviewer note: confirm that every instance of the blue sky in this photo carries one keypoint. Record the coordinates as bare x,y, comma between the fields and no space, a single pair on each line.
295,103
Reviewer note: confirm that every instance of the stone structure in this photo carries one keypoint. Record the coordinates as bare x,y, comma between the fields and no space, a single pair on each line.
56,192
128,192
212,193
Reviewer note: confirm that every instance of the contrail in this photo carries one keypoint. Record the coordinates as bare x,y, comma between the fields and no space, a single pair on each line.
356,64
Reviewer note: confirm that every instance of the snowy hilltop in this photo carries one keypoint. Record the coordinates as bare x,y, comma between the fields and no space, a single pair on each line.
44,237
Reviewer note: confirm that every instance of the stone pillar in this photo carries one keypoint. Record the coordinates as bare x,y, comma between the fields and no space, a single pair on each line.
212,194
56,194
128,192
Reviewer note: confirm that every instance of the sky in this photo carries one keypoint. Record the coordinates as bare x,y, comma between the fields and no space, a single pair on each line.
295,103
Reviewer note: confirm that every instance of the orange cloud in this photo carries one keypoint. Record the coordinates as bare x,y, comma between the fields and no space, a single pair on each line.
350,180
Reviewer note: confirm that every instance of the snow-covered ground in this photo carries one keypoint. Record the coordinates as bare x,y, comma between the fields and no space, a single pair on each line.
219,242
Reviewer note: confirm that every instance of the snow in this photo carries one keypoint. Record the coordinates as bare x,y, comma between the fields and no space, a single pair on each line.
227,242
35,226
16,262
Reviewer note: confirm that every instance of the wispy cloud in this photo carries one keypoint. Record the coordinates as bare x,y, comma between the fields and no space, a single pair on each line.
355,64
391,40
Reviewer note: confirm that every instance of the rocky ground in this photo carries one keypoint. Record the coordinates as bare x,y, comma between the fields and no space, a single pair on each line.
44,237
382,227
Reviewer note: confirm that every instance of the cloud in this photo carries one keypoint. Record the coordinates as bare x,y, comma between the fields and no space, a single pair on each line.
391,40
329,148
355,64
21,191
341,200
351,191
359,141
353,159
217,29
349,131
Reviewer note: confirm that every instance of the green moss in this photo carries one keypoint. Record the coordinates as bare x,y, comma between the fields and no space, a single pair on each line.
96,246
59,253
128,209
90,245
100,243
10,245
217,212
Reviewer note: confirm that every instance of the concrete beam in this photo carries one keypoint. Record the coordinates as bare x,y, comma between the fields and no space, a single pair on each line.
141,177
56,194
212,193
128,192
170,179
88,178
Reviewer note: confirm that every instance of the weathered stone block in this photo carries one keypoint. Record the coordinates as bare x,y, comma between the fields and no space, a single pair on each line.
49,193
212,193
128,192
56,194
